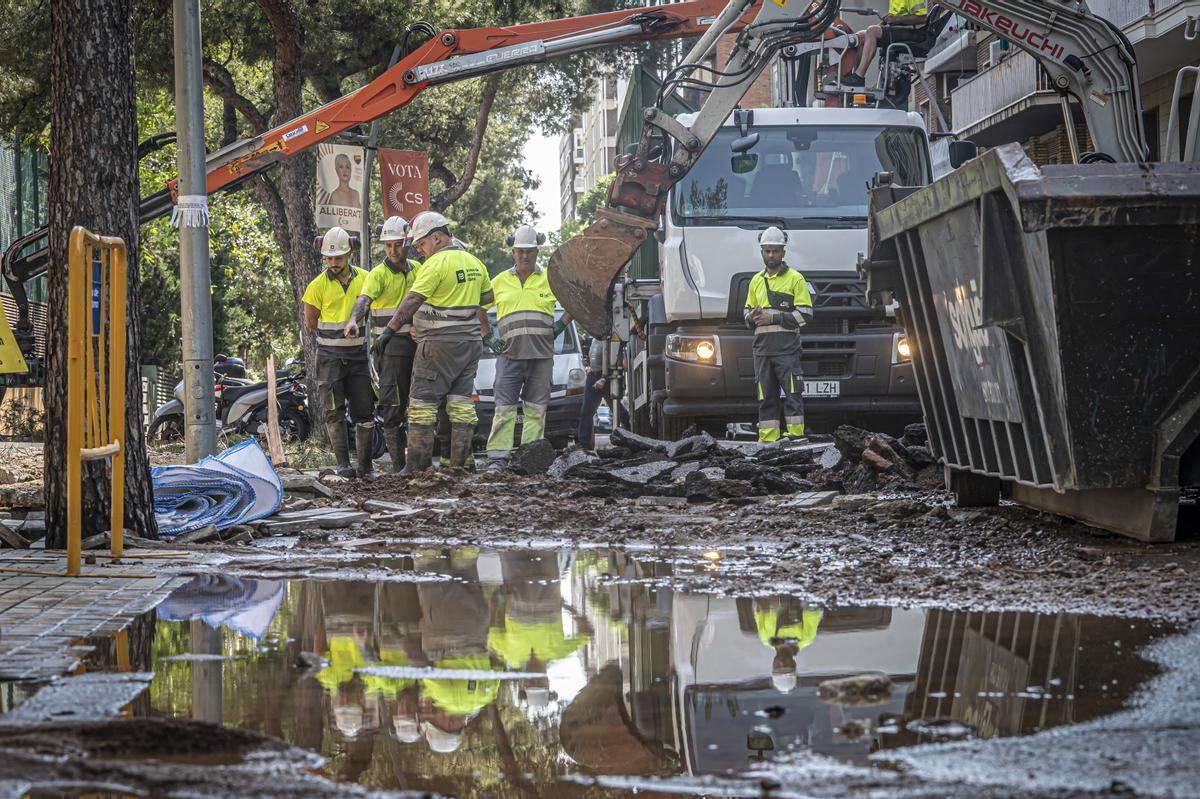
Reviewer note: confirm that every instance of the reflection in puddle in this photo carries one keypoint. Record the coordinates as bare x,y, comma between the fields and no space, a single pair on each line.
527,667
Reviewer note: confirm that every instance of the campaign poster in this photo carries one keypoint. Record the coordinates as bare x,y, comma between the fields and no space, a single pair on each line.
340,177
405,178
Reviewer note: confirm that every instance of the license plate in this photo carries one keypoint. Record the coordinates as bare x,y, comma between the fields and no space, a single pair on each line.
822,388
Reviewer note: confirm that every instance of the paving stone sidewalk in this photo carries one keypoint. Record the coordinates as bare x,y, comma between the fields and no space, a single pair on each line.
45,619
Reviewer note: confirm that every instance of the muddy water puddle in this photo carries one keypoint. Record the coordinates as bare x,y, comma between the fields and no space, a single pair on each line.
519,673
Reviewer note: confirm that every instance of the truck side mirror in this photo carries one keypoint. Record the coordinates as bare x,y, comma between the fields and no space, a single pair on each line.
961,152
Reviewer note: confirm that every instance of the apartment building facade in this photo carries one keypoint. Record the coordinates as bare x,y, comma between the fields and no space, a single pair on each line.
992,93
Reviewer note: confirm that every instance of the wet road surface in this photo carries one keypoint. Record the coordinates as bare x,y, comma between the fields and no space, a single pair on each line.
560,672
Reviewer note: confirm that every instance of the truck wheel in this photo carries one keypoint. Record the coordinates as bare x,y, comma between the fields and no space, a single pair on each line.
973,490
673,427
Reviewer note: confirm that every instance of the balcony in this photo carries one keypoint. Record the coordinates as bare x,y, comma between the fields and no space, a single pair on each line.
1007,102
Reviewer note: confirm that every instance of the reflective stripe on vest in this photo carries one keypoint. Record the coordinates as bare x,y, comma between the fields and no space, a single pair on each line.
431,320
381,316
525,323
329,334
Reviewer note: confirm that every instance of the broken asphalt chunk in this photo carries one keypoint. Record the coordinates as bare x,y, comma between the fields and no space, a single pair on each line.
624,438
643,474
567,464
533,458
305,484
862,689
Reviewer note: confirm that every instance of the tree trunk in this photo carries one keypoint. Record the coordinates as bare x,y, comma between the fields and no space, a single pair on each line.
295,187
93,183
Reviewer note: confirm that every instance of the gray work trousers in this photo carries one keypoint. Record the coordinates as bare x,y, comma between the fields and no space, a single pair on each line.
444,369
775,375
527,380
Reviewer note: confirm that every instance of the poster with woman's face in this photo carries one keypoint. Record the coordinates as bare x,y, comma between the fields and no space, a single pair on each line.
339,186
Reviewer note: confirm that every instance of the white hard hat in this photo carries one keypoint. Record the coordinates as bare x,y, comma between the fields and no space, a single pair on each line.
408,729
772,237
537,697
425,223
784,681
526,238
349,719
335,242
441,741
395,228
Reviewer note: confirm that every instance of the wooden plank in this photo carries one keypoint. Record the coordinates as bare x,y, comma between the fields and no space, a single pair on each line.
274,441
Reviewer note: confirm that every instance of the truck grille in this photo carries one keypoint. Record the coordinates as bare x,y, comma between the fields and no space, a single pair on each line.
832,366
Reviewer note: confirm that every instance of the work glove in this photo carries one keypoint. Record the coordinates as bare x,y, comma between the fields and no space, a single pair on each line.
493,343
559,326
381,341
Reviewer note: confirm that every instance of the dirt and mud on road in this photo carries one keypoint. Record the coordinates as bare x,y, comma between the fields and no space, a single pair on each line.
663,620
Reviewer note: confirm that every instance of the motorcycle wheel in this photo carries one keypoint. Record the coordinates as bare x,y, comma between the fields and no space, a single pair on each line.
166,429
293,425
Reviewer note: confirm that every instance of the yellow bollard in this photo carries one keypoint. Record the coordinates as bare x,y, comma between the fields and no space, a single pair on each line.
95,379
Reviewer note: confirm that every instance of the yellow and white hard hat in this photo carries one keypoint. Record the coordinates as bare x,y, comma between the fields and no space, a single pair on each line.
425,223
335,242
408,729
772,237
526,238
439,740
348,718
395,228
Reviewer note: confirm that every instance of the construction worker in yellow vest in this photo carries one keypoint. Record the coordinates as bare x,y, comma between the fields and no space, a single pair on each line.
443,307
778,304
343,375
385,287
786,626
525,365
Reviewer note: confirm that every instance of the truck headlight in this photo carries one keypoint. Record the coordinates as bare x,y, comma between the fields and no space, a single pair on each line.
575,381
694,349
902,350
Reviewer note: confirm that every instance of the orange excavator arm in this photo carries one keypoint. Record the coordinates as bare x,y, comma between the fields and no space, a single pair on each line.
454,55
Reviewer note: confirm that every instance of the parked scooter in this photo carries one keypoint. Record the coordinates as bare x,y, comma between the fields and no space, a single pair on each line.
241,407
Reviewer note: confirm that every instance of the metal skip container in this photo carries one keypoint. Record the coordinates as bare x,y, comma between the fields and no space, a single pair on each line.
1055,319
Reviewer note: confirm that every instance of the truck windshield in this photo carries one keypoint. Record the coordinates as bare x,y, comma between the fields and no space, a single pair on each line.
806,176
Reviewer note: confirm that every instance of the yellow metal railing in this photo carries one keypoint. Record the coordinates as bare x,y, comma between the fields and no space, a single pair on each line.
95,377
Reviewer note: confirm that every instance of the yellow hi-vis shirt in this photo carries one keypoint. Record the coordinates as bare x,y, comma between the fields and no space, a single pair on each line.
525,314
519,642
334,301
387,289
803,632
451,281
906,8
344,657
787,296
388,687
462,697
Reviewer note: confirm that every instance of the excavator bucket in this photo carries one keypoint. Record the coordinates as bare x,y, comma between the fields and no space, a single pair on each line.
582,270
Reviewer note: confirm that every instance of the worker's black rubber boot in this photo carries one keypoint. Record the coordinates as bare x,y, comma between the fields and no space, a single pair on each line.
394,438
341,447
460,444
420,448
364,444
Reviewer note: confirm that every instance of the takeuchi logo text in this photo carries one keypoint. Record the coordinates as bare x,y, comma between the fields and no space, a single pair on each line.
1012,29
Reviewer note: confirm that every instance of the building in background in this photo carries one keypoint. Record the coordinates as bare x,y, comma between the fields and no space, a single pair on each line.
590,143
993,93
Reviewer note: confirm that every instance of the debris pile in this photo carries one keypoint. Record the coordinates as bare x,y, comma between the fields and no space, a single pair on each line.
866,461
699,468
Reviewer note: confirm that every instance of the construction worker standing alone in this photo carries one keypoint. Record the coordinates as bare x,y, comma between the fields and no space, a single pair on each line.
386,286
525,366
778,304
443,306
342,371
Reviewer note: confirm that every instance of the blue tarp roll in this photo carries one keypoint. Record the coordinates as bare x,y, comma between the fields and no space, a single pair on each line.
237,486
